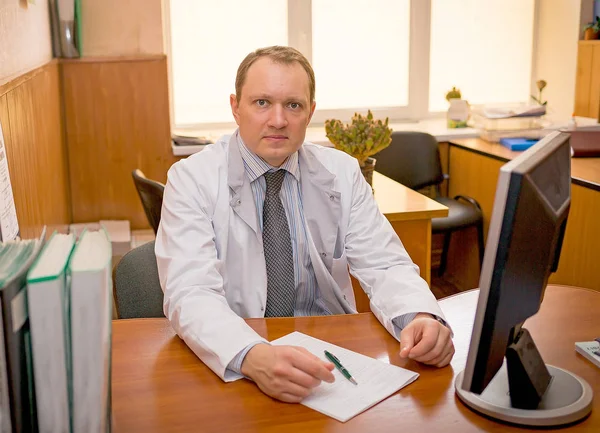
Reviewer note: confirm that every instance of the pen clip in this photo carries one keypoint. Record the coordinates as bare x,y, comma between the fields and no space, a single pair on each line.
333,356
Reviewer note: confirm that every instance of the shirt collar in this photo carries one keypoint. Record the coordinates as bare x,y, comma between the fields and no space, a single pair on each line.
255,166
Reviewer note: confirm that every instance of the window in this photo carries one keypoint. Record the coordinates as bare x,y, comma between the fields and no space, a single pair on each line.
396,57
209,39
362,42
482,47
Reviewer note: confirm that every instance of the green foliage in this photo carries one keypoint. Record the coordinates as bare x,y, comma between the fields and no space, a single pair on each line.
362,138
541,85
453,94
595,26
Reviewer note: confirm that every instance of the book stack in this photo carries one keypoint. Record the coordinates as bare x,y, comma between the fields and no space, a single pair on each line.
66,287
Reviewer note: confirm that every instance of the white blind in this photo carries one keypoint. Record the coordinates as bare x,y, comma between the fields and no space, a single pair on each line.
483,47
360,53
209,39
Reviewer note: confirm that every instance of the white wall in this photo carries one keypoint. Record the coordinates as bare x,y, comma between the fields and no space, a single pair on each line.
25,41
555,53
121,27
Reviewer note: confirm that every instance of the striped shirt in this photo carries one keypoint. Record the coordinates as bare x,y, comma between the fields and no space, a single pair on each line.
308,297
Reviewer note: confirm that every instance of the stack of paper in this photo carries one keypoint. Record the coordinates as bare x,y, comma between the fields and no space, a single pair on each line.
119,233
343,400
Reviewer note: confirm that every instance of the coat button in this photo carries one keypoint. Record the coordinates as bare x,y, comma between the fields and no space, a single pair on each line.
323,254
332,198
239,202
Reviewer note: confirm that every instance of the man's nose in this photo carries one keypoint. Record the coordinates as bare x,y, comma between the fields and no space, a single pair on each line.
277,118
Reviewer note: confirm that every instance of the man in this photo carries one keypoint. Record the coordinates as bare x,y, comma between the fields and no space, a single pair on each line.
262,224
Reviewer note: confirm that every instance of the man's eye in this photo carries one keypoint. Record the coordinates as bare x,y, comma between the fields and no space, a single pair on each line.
294,105
261,102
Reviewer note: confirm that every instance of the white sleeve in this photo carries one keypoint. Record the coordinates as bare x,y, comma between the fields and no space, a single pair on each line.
380,262
190,276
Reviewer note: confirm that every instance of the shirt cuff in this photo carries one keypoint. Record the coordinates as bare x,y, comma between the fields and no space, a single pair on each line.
401,322
235,365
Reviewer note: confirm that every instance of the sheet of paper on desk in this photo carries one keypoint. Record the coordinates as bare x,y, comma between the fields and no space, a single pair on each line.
343,400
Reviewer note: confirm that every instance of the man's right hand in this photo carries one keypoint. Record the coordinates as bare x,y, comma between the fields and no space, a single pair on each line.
287,373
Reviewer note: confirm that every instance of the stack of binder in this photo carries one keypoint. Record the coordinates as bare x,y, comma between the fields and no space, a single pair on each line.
66,289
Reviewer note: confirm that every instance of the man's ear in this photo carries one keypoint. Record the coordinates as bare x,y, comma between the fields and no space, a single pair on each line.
312,111
234,108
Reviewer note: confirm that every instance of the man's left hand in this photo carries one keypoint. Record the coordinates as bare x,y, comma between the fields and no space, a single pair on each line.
426,340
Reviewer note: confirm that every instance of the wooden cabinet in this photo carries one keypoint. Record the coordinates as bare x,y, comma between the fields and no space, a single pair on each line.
587,86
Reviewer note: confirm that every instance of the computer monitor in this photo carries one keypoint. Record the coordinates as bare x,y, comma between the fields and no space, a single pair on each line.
527,226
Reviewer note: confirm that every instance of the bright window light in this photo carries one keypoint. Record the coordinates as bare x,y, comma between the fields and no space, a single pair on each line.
209,39
483,47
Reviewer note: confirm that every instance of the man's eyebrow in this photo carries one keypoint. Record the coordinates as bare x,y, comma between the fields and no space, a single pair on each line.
270,97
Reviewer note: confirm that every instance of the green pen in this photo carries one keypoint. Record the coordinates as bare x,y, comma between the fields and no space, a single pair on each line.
340,367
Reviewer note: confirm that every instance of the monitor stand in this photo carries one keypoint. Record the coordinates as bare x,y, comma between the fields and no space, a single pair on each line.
568,399
528,392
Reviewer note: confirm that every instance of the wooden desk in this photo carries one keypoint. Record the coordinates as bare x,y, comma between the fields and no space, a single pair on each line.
410,214
474,165
159,385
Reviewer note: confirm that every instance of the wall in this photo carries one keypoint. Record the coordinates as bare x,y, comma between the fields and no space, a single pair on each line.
555,53
25,41
117,117
121,27
30,112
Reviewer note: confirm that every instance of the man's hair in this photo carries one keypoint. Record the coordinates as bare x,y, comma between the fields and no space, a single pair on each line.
278,54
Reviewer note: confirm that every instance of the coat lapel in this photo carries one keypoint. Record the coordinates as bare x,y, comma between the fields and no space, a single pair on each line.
322,213
242,199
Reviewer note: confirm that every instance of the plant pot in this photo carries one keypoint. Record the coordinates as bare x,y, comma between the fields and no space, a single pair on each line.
590,35
367,170
458,113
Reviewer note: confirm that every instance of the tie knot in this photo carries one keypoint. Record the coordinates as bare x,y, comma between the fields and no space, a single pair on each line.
274,180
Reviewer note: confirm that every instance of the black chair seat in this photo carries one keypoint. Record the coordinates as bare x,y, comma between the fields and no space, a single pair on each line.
137,287
460,215
413,159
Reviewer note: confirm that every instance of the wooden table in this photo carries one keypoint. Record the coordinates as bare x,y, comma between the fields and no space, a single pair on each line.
410,214
159,385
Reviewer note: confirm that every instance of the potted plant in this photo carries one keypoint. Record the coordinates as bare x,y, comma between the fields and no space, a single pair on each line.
592,30
458,112
362,138
541,85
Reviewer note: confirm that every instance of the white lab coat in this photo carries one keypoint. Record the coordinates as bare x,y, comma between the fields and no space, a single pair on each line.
210,253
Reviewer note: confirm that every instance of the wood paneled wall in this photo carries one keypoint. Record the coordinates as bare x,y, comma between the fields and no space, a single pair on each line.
117,120
30,113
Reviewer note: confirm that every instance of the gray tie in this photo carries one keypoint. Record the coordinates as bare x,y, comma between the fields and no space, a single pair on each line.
281,286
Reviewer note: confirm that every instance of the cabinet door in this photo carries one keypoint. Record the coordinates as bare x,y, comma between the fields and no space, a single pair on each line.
594,110
583,79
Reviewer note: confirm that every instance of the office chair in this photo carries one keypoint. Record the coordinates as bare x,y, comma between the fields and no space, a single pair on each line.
151,194
137,287
413,159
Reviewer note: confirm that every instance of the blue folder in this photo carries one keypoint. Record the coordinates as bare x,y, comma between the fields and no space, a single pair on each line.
518,144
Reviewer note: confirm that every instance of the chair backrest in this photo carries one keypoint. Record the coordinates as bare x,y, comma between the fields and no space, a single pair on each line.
412,158
151,194
137,287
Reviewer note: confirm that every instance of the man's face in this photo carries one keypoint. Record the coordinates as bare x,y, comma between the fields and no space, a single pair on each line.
274,109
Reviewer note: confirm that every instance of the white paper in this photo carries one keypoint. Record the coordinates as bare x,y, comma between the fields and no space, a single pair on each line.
9,226
342,399
508,112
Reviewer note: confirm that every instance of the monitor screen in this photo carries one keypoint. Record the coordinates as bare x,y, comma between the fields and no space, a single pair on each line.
531,205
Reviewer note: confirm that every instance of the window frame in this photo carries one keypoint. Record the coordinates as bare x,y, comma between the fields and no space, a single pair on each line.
300,37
